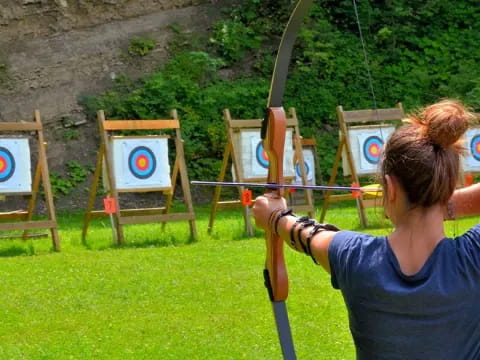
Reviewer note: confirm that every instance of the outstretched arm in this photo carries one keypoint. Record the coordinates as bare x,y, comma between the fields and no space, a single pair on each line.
300,233
464,202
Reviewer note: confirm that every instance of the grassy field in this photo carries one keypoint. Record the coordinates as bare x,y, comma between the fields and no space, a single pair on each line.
162,296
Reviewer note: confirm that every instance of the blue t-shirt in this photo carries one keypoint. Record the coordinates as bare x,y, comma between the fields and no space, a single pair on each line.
431,315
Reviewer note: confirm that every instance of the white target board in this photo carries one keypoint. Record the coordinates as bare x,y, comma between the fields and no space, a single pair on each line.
309,161
471,161
15,166
253,158
366,145
141,163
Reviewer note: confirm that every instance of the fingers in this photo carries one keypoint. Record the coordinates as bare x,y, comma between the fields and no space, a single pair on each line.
264,205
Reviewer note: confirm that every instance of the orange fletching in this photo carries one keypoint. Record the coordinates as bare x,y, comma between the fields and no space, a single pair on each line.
356,193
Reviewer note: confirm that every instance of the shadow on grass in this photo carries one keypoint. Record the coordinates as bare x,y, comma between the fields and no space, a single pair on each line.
142,244
17,250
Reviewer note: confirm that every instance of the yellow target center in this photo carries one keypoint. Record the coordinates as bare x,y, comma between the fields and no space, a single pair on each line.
2,164
142,162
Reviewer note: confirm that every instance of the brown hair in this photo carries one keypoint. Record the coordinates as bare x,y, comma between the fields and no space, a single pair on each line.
424,155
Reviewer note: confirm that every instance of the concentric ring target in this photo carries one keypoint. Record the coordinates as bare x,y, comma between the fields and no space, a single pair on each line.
299,170
261,155
371,149
142,162
7,164
475,147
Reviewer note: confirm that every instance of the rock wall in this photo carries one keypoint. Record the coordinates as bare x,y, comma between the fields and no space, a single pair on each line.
52,52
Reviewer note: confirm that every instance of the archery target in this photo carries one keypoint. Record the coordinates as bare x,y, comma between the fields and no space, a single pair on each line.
366,145
261,156
309,161
371,149
141,163
471,162
253,159
15,166
475,147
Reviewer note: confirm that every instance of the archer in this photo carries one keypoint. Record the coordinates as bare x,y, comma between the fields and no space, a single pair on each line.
413,294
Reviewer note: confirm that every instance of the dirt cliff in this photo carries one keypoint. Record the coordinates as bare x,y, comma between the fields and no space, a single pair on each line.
52,52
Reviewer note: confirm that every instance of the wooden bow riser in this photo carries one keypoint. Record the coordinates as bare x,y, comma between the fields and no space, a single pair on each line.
273,144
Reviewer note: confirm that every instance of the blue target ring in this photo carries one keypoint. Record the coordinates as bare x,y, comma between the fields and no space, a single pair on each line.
142,162
475,147
7,164
261,156
299,170
371,149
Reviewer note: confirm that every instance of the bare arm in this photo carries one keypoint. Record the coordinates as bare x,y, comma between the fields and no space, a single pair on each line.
464,202
319,243
306,236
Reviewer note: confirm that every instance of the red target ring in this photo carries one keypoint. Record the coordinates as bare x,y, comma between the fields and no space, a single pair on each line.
7,164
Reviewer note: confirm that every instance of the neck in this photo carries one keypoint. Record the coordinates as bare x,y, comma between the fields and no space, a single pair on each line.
424,225
416,234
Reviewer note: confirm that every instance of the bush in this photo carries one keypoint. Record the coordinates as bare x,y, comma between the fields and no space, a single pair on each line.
418,52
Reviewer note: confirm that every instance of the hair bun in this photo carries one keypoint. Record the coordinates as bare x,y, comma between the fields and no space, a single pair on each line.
445,122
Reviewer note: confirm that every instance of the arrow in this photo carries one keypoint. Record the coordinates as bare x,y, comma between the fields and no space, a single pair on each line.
367,189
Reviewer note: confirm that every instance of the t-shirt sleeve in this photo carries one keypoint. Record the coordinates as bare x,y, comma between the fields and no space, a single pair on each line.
343,253
470,243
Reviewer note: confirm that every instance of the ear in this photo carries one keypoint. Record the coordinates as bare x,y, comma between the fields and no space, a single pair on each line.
392,190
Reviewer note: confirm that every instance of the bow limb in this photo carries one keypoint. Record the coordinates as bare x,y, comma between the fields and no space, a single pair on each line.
273,135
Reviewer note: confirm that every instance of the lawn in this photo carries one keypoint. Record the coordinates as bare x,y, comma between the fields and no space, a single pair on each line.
162,296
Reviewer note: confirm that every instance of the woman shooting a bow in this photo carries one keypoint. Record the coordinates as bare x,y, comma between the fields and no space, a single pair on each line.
414,294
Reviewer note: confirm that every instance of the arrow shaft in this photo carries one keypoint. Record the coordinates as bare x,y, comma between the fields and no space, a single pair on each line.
287,186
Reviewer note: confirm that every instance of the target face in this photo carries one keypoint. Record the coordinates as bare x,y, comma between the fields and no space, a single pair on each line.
142,162
475,147
371,149
298,170
261,155
366,143
7,164
309,161
15,168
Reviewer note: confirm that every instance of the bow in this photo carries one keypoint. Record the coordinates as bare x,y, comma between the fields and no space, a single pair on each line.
273,135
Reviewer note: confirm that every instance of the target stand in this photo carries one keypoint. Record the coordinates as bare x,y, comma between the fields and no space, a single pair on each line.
362,136
16,180
244,150
134,164
470,163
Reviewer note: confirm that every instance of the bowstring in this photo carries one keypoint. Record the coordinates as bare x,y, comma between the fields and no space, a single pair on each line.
367,67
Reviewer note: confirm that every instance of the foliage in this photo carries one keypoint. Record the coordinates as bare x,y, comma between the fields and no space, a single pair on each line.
75,175
140,46
417,53
70,134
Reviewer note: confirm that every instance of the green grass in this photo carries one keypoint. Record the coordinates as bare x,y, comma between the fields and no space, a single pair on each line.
162,296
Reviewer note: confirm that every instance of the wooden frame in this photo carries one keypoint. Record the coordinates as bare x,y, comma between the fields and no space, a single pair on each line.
345,119
41,175
232,153
104,163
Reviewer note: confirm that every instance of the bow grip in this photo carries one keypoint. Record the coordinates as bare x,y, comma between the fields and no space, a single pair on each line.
273,131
